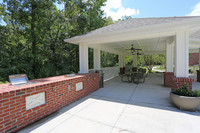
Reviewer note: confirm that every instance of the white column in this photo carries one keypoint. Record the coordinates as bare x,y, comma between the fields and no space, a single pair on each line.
182,54
134,60
83,58
194,69
120,60
97,59
169,57
123,60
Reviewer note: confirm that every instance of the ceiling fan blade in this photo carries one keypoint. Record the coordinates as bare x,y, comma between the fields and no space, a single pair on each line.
138,49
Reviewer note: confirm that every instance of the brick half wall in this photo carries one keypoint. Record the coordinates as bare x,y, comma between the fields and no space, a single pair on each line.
178,82
168,77
13,113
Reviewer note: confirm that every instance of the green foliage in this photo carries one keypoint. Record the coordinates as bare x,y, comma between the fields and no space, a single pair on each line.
91,57
146,60
32,41
108,59
3,82
124,18
196,93
185,91
109,21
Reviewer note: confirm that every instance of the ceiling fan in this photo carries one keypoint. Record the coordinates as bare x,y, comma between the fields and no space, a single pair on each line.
133,50
138,53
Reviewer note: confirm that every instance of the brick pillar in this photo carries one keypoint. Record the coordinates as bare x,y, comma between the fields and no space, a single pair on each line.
168,79
122,69
178,82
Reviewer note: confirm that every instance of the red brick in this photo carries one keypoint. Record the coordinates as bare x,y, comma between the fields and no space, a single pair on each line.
4,107
20,100
178,82
194,59
53,100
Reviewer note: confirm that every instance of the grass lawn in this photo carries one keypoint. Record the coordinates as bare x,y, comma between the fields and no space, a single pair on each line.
162,68
3,82
159,68
156,68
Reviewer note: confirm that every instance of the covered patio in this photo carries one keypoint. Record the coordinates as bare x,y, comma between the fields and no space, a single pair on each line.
175,37
128,107
122,107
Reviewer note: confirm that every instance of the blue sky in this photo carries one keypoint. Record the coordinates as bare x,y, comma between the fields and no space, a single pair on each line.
158,8
150,8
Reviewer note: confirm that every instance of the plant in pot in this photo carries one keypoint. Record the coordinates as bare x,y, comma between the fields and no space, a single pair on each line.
185,99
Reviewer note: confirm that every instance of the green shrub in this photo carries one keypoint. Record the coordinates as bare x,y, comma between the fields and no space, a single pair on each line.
185,91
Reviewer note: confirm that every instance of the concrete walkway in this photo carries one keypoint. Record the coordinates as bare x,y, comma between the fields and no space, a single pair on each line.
121,107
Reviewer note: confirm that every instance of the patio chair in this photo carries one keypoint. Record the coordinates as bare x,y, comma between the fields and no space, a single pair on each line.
134,69
140,70
138,77
145,72
126,75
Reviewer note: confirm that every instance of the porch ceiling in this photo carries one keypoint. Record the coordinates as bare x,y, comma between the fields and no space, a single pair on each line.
148,46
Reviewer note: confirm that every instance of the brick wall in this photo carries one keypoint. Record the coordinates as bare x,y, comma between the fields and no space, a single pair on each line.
168,76
13,113
178,82
194,59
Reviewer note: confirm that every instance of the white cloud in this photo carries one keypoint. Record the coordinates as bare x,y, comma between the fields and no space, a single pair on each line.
120,11
196,10
138,12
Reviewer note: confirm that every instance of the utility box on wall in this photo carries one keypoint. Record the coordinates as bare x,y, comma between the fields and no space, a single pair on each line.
79,86
35,100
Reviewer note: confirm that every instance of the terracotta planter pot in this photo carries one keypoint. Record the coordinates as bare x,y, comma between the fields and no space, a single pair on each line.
185,102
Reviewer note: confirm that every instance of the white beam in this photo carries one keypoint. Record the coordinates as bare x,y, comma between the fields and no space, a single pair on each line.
182,54
97,59
169,57
83,58
149,53
103,39
121,61
106,48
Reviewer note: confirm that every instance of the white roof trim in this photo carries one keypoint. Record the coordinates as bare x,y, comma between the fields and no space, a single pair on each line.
185,22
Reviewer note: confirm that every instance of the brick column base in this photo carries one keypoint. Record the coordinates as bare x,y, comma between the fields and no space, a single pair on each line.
178,82
168,79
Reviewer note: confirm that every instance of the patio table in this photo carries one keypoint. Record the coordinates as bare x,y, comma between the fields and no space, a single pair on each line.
138,76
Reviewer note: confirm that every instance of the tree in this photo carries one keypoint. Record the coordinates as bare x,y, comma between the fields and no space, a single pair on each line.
149,62
108,59
109,21
146,60
32,41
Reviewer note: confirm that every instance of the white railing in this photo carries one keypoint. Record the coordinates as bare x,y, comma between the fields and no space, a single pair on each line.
109,72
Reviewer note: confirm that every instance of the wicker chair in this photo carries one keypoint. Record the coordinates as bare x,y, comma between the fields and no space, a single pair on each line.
126,75
138,77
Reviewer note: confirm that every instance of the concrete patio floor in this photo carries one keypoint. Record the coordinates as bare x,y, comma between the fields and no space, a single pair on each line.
122,107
